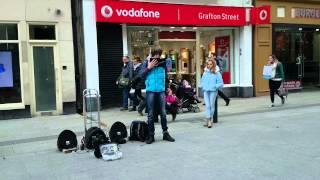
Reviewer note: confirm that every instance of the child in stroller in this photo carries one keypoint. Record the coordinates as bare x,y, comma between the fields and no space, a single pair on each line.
172,104
187,96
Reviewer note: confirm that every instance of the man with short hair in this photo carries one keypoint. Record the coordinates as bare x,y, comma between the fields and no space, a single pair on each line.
154,72
126,73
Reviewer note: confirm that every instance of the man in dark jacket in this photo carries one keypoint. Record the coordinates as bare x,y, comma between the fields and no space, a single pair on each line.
154,72
126,73
137,83
219,62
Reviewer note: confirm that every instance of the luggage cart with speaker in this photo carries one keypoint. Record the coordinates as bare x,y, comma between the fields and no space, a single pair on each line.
91,117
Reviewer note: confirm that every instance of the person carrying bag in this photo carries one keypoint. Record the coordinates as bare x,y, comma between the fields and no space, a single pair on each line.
276,80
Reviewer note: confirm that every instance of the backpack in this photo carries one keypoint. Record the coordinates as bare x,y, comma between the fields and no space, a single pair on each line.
118,133
138,131
95,137
67,140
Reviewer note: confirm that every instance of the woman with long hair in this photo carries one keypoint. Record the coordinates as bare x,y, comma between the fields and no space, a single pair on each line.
211,81
277,78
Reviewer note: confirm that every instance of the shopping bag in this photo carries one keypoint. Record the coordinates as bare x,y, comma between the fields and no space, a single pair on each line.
283,91
267,72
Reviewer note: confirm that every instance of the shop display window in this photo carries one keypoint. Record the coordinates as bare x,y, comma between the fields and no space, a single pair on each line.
10,82
297,47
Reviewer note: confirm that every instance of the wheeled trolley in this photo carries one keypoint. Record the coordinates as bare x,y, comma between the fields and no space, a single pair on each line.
91,117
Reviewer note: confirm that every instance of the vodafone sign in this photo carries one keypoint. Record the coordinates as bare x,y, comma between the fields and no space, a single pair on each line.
106,11
260,15
168,14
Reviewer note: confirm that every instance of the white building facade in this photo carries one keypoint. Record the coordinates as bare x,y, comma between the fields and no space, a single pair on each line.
186,41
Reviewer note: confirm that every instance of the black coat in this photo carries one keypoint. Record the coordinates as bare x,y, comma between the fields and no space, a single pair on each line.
127,71
138,81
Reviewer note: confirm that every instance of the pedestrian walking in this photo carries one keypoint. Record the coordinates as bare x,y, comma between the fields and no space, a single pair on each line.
137,83
277,78
219,63
154,71
211,81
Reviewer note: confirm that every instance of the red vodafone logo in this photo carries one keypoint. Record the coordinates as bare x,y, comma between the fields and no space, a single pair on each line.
263,15
106,11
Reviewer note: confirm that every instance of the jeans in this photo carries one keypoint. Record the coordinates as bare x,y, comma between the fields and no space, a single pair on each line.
125,96
209,99
158,97
137,97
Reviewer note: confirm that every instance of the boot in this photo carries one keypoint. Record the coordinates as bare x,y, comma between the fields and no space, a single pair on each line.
167,137
209,123
174,117
150,139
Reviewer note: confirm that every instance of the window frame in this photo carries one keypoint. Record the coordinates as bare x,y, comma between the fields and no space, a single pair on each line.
19,105
42,40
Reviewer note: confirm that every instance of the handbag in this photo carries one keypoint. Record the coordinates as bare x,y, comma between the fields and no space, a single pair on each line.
283,91
123,81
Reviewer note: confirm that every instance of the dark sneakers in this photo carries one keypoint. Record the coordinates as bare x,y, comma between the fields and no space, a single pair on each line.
150,139
123,109
227,102
167,137
132,109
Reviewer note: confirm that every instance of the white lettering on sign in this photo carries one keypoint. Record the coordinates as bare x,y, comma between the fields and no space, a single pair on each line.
223,16
305,13
230,17
138,13
209,16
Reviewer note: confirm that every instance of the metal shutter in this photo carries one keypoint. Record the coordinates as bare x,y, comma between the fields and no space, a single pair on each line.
110,52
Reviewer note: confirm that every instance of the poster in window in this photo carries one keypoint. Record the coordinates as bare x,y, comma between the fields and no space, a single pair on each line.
222,45
6,75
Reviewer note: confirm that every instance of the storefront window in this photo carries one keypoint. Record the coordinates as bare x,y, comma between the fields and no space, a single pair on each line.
10,84
219,42
179,45
141,40
298,49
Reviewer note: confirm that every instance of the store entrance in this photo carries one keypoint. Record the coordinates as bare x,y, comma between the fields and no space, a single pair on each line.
298,49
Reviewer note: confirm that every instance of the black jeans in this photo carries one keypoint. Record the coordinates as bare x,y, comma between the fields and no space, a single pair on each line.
274,86
222,95
172,108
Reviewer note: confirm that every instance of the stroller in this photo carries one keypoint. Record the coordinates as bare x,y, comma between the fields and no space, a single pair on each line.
187,97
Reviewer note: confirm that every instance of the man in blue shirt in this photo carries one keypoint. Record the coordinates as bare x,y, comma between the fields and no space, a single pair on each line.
154,73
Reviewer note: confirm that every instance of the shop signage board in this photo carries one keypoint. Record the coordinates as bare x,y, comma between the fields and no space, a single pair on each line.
310,13
260,15
169,14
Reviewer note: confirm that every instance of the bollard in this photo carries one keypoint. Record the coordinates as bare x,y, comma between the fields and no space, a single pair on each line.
215,115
